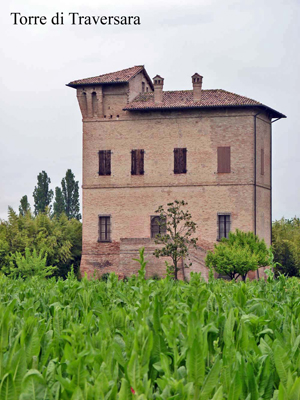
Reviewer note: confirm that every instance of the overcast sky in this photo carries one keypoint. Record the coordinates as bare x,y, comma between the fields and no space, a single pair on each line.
247,47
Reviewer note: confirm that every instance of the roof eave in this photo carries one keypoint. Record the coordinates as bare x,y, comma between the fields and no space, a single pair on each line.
76,85
275,114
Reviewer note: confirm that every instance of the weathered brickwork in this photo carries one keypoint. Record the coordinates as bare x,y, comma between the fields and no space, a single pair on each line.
131,200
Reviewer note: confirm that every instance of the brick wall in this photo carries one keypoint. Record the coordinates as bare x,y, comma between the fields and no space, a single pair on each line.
131,200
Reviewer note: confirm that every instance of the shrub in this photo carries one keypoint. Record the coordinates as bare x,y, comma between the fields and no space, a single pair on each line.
29,265
286,246
239,254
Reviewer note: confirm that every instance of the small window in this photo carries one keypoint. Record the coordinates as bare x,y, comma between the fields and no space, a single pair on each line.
94,104
180,161
224,225
104,229
223,159
104,162
147,89
137,162
158,226
262,162
143,87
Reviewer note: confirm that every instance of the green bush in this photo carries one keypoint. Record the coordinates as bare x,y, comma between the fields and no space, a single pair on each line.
57,237
286,246
29,265
239,254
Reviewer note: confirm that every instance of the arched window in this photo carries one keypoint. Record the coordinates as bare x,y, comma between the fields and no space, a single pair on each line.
94,103
84,104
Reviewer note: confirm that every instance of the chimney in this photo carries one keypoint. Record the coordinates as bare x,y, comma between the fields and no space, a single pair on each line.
197,86
158,83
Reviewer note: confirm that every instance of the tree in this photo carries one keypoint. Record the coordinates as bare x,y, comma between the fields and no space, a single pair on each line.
239,254
286,246
42,194
70,192
59,203
179,228
24,205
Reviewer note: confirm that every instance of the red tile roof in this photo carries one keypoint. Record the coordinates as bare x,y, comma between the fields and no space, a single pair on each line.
184,99
174,99
114,77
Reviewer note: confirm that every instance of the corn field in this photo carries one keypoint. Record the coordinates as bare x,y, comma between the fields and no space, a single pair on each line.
147,339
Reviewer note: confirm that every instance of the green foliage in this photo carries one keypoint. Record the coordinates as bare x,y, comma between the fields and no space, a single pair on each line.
239,254
286,246
58,237
59,204
24,205
179,230
70,193
149,340
42,194
143,263
104,277
29,265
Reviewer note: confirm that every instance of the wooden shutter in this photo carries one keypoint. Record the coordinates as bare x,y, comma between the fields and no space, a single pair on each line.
133,162
108,162
183,161
137,162
104,162
176,161
262,162
141,162
223,159
180,161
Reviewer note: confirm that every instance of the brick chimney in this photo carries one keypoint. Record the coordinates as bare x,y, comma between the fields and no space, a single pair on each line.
158,83
197,86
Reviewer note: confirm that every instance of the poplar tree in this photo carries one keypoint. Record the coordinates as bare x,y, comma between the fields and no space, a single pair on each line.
42,194
59,204
24,205
70,192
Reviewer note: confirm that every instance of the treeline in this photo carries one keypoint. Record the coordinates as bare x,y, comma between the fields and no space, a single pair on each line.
66,197
286,246
51,231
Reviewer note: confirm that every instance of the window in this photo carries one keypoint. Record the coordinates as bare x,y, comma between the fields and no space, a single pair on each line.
180,161
104,162
143,87
262,162
94,104
158,226
137,162
224,225
104,228
223,159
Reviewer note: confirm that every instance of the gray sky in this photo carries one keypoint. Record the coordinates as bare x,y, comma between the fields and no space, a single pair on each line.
247,47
